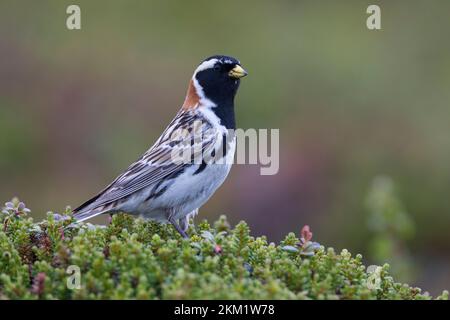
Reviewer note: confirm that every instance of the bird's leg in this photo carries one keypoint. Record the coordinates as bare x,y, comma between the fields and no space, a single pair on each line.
177,227
185,222
110,218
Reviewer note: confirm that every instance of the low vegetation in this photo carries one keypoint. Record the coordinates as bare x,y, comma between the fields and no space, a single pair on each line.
135,259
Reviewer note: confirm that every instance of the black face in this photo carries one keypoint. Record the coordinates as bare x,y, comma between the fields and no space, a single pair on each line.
218,86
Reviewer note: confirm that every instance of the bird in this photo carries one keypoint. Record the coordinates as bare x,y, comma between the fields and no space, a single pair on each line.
188,162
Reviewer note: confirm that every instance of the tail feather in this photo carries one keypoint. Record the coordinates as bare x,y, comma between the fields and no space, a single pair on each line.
89,209
88,214
82,207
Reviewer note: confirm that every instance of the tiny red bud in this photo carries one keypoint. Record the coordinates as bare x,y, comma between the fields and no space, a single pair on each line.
306,233
38,283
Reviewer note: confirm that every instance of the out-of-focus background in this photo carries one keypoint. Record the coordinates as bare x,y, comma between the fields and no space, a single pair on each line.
363,115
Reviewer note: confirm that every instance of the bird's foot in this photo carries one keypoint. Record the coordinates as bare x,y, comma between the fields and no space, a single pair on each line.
178,228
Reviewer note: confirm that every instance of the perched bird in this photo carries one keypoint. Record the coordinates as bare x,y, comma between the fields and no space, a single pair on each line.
161,187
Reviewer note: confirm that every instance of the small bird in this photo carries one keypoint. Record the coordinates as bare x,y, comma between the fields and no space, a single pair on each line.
164,184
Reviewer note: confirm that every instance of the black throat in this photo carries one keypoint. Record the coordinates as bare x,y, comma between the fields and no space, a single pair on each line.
219,87
223,98
225,112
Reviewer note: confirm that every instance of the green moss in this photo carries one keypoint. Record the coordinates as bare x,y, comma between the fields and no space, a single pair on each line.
135,259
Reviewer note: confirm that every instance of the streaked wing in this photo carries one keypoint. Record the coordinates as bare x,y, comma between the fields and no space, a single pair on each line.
157,163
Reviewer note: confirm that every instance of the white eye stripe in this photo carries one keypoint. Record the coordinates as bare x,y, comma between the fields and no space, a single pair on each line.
209,64
206,65
228,61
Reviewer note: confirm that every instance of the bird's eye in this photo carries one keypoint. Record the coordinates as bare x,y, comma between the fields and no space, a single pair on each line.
216,67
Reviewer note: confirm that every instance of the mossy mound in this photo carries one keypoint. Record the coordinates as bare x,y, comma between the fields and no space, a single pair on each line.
135,259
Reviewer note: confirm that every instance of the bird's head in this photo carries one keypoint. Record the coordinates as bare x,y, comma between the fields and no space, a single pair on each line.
215,81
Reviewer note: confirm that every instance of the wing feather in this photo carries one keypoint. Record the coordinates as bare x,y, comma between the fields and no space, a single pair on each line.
154,165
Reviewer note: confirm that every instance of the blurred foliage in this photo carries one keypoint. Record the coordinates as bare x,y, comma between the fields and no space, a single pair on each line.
391,227
76,107
132,259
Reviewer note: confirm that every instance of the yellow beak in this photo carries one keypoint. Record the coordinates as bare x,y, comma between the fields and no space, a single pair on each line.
237,72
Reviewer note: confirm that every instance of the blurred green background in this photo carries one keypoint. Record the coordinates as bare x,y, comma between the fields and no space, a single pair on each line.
76,107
